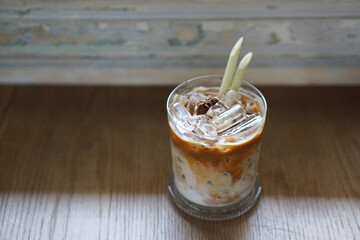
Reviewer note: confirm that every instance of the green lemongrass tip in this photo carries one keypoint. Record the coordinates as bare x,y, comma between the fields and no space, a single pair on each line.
239,75
230,67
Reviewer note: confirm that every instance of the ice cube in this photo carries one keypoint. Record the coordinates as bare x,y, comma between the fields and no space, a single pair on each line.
244,125
179,110
188,123
205,127
229,118
252,107
230,98
181,99
182,117
216,110
193,101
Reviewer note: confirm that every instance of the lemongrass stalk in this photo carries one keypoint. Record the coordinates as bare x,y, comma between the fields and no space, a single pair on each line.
230,67
239,75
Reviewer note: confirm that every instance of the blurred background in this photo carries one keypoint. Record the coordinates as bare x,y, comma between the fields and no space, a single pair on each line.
159,42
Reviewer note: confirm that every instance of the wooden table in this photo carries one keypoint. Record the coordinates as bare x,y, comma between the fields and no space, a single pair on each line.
93,163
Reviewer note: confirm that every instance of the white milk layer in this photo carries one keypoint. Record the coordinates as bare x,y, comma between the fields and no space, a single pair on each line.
202,193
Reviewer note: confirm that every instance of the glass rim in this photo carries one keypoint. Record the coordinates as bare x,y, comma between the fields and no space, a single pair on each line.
244,133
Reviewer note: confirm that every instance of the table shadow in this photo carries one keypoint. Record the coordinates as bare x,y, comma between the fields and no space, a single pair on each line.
310,147
69,139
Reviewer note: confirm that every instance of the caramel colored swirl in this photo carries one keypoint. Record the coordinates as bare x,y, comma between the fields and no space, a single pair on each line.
225,158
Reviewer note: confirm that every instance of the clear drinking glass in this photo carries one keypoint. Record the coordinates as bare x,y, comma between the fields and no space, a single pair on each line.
217,178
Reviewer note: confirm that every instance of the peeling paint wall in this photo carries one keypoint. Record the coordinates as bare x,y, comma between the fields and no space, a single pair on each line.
31,36
281,38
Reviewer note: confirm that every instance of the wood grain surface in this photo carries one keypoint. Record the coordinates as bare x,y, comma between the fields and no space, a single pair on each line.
93,163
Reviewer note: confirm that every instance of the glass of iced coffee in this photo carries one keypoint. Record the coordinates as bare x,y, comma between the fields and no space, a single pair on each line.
215,145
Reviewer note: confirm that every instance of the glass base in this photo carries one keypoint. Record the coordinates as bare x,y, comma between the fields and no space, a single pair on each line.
215,213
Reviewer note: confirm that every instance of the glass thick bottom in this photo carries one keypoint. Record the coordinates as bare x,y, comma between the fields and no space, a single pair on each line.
215,213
